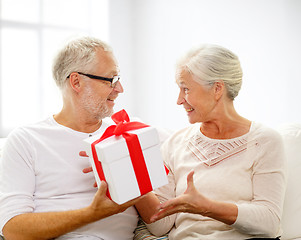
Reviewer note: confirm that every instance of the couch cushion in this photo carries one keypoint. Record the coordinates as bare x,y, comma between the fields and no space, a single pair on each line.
2,141
292,205
142,233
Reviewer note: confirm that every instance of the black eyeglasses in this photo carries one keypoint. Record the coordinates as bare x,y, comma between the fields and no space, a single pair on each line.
112,80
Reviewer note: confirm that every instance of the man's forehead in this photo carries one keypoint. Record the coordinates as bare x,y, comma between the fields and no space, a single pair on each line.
114,72
107,62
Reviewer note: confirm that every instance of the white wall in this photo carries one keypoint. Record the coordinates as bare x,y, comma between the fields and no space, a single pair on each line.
149,35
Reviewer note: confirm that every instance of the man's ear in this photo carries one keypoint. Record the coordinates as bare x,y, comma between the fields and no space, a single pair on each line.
74,81
219,88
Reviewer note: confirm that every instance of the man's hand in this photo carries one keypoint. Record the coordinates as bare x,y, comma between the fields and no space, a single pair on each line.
101,203
49,225
87,169
103,207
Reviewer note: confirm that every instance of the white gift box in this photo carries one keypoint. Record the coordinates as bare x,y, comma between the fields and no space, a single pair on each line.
117,166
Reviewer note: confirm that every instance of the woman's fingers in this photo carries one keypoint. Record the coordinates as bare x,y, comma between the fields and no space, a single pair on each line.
164,211
190,184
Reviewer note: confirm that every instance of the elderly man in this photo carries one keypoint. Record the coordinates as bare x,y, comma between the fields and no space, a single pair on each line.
43,192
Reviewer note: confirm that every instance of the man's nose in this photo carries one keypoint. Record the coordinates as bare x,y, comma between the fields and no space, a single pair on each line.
118,87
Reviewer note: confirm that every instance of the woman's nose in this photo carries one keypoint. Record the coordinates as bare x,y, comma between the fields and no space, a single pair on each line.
180,99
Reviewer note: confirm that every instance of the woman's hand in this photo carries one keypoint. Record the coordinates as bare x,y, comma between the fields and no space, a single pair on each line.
190,201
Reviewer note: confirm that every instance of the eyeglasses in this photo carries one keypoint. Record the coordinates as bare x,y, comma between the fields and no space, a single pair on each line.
112,80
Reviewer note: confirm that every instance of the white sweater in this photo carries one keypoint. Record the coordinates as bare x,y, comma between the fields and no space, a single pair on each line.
248,171
41,171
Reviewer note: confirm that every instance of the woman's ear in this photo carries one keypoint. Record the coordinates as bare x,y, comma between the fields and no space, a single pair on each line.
219,88
74,81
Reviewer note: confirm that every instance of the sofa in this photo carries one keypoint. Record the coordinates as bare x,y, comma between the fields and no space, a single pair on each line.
291,219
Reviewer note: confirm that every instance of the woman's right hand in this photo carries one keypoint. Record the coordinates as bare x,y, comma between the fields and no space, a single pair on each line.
190,201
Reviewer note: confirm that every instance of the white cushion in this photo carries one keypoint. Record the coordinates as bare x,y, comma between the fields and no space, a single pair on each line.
2,141
291,217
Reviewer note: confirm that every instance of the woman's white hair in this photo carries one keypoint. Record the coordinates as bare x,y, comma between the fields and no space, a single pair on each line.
210,63
79,55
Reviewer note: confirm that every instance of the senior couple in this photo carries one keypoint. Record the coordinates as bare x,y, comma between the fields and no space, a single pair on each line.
226,173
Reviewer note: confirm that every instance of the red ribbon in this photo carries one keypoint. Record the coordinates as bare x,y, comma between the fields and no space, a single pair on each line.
122,120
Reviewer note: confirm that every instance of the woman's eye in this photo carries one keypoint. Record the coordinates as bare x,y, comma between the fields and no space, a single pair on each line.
185,90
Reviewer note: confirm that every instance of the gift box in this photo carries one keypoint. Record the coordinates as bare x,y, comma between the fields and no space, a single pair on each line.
127,156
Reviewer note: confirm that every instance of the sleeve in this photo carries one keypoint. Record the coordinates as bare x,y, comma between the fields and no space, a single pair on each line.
17,178
262,215
164,193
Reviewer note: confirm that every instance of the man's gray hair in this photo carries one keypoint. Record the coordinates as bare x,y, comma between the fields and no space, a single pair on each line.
212,63
79,55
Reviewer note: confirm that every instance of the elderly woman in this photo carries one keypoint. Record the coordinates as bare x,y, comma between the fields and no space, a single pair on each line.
227,178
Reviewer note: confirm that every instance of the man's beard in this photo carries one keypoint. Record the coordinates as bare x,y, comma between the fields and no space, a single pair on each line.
97,108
